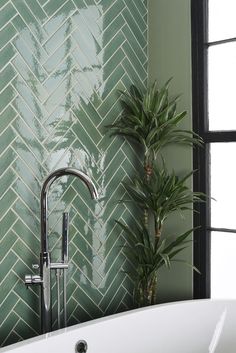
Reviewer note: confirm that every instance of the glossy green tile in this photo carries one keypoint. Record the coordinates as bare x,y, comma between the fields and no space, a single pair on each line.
81,4
58,37
6,54
134,42
38,170
137,14
6,305
111,64
27,61
6,118
29,259
112,12
24,331
91,112
87,45
7,200
27,236
7,241
7,327
37,11
28,315
109,84
28,39
127,302
87,302
88,234
85,285
135,61
78,314
134,27
31,297
7,264
52,6
42,2
7,33
29,19
141,6
24,171
30,219
28,137
84,137
113,275
114,27
85,246
84,119
138,78
6,14
26,194
6,180
114,304
62,64
114,111
8,219
117,41
21,66
6,97
3,3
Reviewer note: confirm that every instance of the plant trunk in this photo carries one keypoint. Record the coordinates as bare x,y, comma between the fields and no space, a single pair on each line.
158,230
145,292
148,174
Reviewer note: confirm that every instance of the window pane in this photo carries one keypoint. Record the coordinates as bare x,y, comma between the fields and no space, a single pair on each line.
221,86
222,24
223,265
223,185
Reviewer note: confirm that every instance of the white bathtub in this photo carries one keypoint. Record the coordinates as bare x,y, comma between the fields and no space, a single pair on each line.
200,326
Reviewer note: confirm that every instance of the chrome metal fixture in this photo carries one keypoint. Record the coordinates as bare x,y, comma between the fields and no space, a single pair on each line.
81,346
45,267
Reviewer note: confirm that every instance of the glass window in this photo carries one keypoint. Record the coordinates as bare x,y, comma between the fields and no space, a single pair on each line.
223,265
223,185
214,74
221,86
222,24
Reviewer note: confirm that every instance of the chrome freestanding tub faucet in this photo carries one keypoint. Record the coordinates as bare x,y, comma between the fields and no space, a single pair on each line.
45,267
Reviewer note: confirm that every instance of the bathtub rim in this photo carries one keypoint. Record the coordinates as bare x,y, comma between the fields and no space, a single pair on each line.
111,317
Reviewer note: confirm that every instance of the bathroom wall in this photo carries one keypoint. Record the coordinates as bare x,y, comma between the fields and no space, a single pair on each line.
170,56
62,63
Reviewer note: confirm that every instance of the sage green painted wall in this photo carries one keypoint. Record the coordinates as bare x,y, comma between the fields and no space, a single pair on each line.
170,56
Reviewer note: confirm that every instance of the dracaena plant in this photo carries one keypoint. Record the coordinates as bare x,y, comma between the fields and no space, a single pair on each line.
163,194
148,256
151,119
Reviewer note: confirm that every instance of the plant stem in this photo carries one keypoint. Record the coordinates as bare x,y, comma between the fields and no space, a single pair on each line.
148,173
158,230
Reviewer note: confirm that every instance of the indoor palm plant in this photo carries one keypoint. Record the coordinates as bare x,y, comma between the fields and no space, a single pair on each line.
151,119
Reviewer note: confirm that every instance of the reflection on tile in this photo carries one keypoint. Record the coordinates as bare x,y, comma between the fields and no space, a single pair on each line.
62,63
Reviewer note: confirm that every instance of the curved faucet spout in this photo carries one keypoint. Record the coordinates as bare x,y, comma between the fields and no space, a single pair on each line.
44,278
44,202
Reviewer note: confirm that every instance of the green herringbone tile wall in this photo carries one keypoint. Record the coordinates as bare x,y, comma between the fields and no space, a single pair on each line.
62,63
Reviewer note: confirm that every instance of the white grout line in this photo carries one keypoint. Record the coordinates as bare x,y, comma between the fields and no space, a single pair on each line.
32,14
10,20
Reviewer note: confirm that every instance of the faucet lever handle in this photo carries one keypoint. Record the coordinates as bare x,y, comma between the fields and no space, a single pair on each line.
65,235
35,266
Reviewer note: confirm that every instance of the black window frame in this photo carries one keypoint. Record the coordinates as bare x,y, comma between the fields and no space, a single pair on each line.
202,242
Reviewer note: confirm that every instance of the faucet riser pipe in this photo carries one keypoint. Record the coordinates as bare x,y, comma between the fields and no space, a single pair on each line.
45,265
46,312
